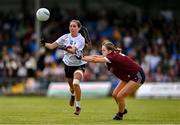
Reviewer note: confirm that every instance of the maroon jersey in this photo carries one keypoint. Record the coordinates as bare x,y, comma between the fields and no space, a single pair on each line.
122,66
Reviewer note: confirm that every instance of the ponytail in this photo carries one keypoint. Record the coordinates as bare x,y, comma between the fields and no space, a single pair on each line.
119,50
84,32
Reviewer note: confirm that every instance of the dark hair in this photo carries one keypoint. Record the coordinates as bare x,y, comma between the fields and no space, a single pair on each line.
110,46
84,32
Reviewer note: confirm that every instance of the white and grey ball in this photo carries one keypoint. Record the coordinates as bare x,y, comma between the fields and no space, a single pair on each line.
42,14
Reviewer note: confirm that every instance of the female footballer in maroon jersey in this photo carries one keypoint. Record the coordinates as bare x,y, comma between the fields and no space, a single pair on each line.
131,74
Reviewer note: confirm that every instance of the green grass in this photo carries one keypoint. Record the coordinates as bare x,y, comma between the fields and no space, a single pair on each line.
42,110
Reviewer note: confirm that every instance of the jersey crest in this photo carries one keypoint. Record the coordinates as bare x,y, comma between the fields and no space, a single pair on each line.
71,42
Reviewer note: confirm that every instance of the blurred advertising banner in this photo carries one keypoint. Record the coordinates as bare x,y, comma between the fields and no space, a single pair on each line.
159,90
88,89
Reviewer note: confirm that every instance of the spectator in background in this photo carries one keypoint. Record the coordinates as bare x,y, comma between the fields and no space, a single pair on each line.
17,39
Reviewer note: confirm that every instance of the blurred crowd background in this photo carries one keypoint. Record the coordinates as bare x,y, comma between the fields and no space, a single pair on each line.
151,38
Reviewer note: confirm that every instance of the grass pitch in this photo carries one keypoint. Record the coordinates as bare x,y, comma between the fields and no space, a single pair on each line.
42,110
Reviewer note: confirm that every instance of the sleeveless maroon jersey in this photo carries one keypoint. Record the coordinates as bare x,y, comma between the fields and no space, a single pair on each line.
122,66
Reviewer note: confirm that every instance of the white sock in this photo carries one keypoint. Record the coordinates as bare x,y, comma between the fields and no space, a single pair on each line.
78,104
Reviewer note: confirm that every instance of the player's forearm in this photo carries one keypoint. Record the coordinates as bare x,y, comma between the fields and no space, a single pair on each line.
50,45
89,59
99,56
94,59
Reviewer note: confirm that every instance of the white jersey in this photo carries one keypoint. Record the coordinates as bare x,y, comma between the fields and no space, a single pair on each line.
77,42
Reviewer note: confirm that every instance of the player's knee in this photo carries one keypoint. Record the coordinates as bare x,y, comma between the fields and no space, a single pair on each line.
114,95
76,81
78,74
121,95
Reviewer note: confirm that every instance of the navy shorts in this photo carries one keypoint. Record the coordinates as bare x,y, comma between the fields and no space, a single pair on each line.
69,70
139,77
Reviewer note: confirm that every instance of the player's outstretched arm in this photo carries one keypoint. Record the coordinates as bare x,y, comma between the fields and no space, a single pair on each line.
55,45
51,45
48,45
94,59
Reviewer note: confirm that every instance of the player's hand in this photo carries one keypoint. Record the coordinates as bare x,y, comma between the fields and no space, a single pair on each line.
63,47
42,42
79,54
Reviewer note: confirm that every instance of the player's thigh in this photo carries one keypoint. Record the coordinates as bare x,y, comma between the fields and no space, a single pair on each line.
120,85
129,88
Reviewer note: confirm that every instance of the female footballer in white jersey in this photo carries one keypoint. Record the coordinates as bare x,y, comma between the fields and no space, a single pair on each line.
74,68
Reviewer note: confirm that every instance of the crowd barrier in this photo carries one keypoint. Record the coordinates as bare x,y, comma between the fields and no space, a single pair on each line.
88,89
159,90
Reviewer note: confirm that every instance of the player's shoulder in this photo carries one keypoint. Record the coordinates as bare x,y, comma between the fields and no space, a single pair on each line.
113,56
110,56
80,37
66,35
